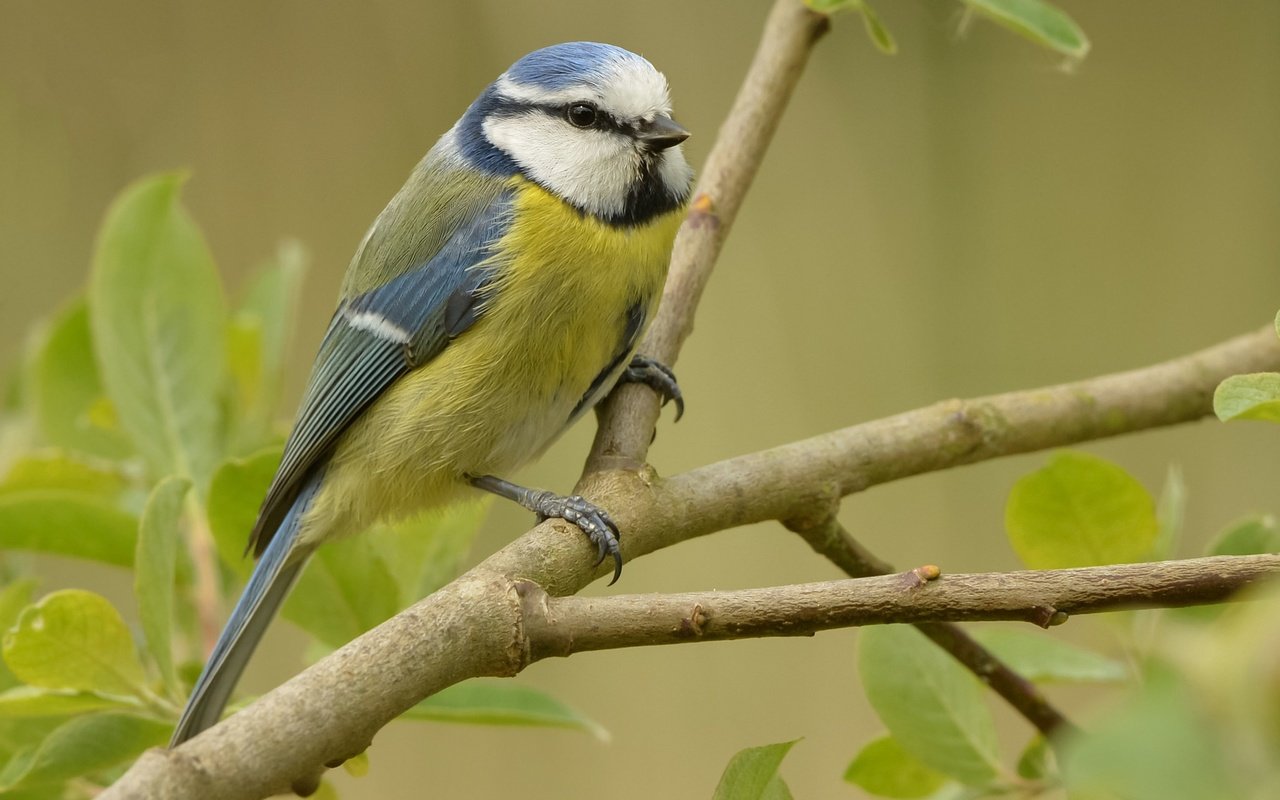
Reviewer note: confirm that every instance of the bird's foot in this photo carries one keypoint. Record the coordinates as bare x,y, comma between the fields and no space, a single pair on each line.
592,520
658,377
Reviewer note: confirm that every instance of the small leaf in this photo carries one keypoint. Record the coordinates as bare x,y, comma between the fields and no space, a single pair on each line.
1043,658
750,773
884,769
67,388
1042,23
68,524
158,540
32,701
1171,510
325,792
235,495
73,639
61,471
13,598
1255,396
1033,764
1080,511
876,30
483,702
1247,537
358,765
87,744
159,319
932,706
831,6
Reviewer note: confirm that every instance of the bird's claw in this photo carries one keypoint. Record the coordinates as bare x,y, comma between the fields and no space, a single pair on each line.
592,520
658,377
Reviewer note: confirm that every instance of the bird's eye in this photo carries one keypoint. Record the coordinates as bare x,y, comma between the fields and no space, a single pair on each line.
581,115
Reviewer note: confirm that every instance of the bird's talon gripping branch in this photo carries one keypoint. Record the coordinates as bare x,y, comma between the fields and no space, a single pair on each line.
592,520
658,377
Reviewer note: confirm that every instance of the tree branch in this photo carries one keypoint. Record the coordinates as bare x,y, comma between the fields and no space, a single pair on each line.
562,626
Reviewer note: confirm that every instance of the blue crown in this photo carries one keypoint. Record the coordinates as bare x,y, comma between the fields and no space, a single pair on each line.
563,65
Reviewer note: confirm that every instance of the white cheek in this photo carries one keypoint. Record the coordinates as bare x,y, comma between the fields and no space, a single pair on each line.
589,168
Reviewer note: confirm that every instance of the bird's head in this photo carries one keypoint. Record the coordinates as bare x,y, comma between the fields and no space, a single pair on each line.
590,123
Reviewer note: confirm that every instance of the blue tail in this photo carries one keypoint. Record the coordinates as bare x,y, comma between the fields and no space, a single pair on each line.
270,582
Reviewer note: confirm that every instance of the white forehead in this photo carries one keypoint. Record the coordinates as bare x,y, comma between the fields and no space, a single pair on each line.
627,88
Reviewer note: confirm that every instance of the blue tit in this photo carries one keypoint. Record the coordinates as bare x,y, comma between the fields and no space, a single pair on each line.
499,296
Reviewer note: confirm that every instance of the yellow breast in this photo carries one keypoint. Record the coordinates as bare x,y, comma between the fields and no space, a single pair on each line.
504,390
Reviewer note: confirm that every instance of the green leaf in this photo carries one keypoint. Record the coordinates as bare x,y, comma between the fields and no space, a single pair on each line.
1043,658
33,701
74,639
1250,536
1171,510
67,523
932,706
325,792
259,337
1033,764
13,598
1080,511
61,471
831,6
884,769
358,765
235,495
484,702
159,536
70,404
159,321
876,30
87,744
1042,23
344,591
750,773
1255,396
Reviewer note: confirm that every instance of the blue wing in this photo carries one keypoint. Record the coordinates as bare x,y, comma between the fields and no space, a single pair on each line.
374,339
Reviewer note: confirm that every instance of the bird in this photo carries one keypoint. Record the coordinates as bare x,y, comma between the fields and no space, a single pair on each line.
498,297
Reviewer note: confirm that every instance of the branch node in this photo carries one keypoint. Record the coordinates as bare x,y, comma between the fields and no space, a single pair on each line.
928,572
702,212
1046,616
692,624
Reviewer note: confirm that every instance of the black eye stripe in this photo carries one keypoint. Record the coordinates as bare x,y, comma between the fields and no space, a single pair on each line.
604,120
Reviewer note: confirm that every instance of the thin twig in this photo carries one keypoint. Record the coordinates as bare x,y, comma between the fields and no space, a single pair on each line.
561,626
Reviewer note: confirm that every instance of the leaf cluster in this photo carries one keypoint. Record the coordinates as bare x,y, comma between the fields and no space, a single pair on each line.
141,432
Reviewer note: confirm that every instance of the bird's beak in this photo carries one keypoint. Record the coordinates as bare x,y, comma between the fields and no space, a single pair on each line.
662,133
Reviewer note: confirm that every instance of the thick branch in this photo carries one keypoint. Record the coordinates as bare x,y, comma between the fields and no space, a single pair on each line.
807,478
627,418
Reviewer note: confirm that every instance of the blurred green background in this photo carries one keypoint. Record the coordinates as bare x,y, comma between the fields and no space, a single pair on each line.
964,218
